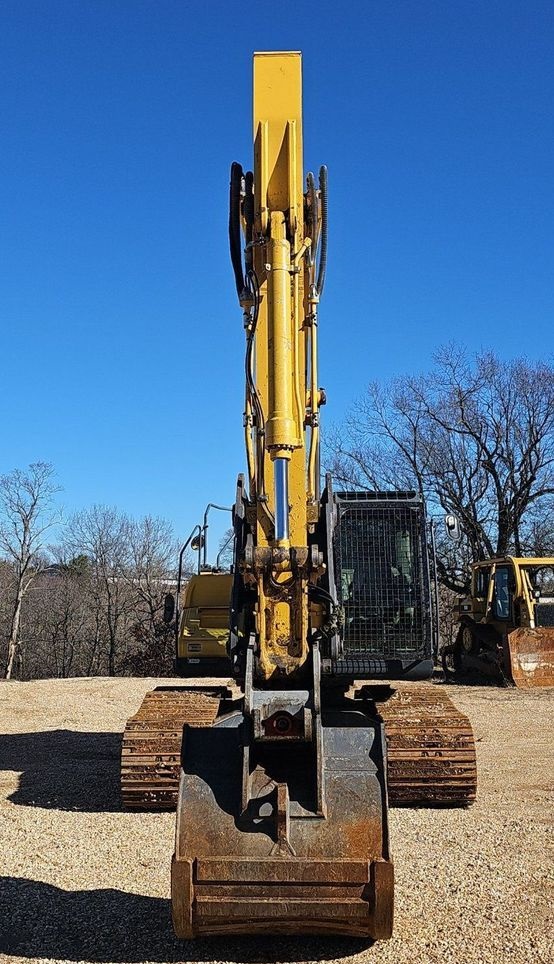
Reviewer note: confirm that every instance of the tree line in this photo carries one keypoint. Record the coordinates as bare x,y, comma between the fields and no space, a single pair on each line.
92,604
474,436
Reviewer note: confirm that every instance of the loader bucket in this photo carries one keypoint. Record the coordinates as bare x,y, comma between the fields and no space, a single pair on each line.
278,868
531,655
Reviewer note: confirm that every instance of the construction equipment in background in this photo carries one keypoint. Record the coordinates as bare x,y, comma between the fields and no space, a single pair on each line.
282,809
203,625
199,613
506,629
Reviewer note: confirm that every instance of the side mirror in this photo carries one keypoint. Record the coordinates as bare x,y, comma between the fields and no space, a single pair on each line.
452,524
197,543
169,608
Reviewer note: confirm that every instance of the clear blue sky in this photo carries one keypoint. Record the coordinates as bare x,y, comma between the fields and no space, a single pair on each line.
122,344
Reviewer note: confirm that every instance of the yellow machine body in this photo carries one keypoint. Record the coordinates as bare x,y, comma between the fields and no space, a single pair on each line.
204,619
507,623
283,779
282,338
282,810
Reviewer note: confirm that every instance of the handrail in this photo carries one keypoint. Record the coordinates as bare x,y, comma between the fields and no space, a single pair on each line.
184,547
210,505
223,548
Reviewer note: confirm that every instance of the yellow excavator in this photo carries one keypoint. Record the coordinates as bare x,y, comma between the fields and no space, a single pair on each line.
506,631
285,772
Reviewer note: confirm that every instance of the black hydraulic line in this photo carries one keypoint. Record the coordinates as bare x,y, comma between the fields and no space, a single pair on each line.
248,209
323,253
312,209
254,288
235,193
320,591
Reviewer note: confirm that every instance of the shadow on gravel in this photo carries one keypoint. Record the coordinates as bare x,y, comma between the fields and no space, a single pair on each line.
440,679
42,921
64,769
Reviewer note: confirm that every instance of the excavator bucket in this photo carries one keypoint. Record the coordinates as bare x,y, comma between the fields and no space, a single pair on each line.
275,861
531,656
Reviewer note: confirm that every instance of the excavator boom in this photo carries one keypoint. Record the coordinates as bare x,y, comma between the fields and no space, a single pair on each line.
282,808
284,777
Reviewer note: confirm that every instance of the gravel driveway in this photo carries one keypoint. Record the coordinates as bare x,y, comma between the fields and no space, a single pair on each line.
81,881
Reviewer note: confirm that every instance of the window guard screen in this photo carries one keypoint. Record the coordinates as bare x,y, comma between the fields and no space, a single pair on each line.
383,578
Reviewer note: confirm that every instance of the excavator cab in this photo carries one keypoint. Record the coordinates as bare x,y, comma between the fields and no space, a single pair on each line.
383,586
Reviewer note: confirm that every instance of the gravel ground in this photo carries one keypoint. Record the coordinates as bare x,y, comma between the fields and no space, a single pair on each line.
81,881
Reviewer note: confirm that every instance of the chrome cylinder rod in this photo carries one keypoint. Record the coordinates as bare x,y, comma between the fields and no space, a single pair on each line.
281,475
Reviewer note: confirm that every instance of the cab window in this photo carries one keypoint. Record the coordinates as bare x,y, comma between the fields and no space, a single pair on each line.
482,577
502,593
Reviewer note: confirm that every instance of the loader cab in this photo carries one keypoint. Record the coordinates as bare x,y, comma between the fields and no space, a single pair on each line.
502,593
494,588
480,584
538,579
513,592
499,601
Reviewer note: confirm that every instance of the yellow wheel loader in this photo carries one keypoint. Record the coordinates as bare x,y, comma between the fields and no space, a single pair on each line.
285,775
506,629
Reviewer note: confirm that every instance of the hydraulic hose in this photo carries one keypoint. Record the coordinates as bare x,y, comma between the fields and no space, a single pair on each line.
235,190
323,254
252,392
312,209
248,210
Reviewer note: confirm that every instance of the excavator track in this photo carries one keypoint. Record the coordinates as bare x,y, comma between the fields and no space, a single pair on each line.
430,748
151,748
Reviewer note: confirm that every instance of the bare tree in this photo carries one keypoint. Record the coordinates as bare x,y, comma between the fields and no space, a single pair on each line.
101,533
27,513
475,438
60,620
226,549
151,575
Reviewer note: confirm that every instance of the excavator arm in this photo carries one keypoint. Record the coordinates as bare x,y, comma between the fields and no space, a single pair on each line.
284,779
282,810
279,286
282,807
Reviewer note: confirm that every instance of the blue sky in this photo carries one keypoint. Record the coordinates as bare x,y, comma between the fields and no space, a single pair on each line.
122,344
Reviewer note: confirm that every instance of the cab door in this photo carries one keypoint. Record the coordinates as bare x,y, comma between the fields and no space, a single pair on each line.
480,592
501,609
